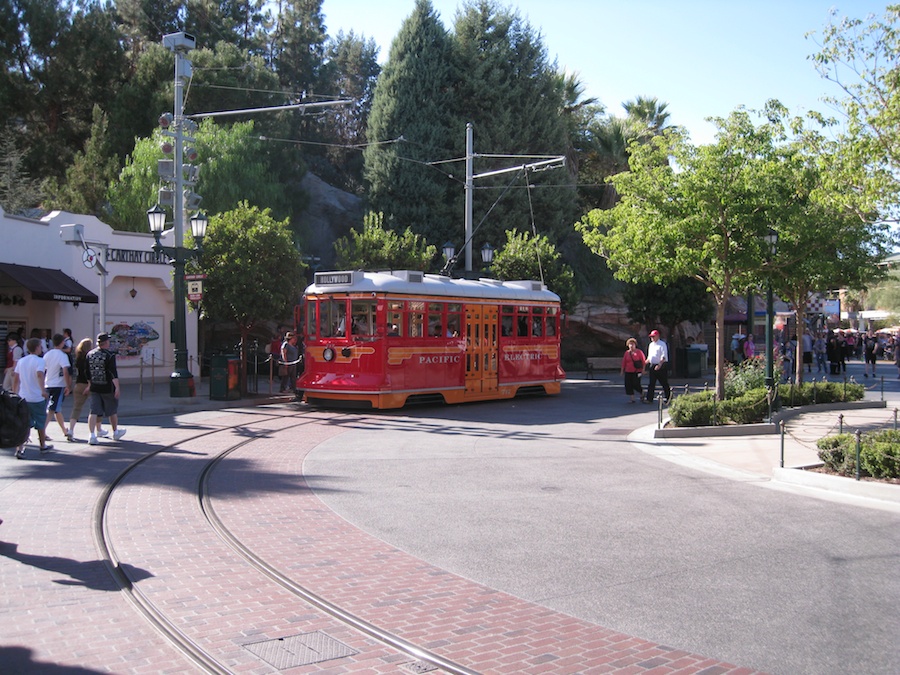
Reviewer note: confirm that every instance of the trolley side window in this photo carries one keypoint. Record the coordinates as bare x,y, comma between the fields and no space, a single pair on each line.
507,320
416,318
311,323
363,317
436,319
395,320
454,319
552,315
522,321
537,322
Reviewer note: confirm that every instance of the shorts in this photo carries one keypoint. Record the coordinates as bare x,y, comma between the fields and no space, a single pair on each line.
807,357
104,404
57,395
38,414
871,357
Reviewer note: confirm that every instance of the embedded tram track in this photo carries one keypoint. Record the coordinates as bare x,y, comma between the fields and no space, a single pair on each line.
178,638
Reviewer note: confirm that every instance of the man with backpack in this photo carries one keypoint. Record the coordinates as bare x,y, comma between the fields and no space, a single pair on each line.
29,382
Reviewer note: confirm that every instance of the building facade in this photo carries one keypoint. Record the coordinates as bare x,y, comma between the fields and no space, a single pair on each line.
74,271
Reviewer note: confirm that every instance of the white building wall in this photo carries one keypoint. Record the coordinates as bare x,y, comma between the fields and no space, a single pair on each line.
143,321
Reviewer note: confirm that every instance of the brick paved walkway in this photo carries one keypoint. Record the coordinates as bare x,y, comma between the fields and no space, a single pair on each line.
61,607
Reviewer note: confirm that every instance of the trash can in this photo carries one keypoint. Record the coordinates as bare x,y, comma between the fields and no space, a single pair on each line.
687,362
225,377
694,358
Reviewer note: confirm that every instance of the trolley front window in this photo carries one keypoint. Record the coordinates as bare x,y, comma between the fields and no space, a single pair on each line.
332,317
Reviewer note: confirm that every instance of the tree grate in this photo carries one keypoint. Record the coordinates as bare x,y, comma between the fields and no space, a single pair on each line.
299,650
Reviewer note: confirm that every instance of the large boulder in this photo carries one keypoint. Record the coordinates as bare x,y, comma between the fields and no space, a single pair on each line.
330,215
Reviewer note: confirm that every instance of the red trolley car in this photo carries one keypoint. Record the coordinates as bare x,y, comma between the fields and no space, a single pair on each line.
382,339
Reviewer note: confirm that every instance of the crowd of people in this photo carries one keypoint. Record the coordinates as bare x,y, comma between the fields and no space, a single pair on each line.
44,372
826,350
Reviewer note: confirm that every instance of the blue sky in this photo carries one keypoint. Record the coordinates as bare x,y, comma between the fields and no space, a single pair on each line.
703,57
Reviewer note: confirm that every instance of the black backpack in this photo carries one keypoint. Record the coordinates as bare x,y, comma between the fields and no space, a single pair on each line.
15,419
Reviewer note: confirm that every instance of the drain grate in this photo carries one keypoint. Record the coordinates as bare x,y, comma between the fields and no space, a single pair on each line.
299,650
419,667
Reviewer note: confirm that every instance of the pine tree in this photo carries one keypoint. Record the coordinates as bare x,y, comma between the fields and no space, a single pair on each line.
413,122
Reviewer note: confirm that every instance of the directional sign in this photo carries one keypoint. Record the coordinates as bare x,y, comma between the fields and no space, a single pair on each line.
195,290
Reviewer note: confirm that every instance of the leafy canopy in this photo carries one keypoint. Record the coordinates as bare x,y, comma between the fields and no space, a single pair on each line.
377,248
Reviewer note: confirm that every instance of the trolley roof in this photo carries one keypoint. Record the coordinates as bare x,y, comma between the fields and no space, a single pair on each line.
410,282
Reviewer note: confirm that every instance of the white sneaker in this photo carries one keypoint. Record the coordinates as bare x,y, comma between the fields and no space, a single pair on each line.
93,440
118,433
102,433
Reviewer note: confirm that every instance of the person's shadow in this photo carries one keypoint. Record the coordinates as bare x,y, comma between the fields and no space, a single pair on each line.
92,574
20,661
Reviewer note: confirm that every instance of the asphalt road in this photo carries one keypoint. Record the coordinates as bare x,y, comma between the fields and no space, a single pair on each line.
546,499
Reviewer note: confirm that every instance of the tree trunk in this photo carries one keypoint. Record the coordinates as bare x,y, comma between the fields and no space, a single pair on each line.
245,336
721,341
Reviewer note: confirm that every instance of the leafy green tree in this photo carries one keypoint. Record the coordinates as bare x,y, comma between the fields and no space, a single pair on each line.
863,58
704,220
412,123
681,300
377,248
238,285
234,167
84,189
525,256
821,246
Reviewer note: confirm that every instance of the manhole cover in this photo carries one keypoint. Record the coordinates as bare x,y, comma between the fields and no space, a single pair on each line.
299,650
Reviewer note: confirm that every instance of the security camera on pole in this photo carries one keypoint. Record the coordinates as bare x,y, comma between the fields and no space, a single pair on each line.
181,383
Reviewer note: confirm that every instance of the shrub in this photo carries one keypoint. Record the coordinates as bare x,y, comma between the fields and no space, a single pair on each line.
879,454
747,375
694,410
809,393
750,406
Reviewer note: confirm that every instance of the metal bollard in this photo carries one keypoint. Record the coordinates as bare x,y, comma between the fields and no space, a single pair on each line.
895,419
841,423
882,387
782,443
659,414
858,444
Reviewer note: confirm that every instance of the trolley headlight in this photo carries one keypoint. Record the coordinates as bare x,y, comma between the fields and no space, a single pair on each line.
328,354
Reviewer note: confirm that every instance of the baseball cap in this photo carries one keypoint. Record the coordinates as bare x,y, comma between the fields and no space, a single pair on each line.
654,333
102,337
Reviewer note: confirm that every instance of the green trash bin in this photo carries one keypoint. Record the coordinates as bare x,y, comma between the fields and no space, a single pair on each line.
225,378
694,358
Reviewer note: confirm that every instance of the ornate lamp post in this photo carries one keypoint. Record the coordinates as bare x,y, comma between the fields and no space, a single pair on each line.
181,382
487,255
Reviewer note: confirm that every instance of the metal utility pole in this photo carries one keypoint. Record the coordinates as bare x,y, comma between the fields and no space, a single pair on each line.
470,184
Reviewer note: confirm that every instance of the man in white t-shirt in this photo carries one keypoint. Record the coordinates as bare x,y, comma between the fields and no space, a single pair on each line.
58,382
658,362
29,382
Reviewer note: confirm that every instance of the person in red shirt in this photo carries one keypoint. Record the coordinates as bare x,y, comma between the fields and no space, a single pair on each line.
632,366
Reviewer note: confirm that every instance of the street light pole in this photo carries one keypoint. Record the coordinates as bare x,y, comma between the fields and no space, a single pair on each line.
771,240
181,382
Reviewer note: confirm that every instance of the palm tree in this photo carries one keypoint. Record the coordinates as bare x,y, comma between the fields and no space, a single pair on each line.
648,112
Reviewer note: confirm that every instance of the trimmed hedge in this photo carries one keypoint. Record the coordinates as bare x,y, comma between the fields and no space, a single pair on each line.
879,454
701,409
